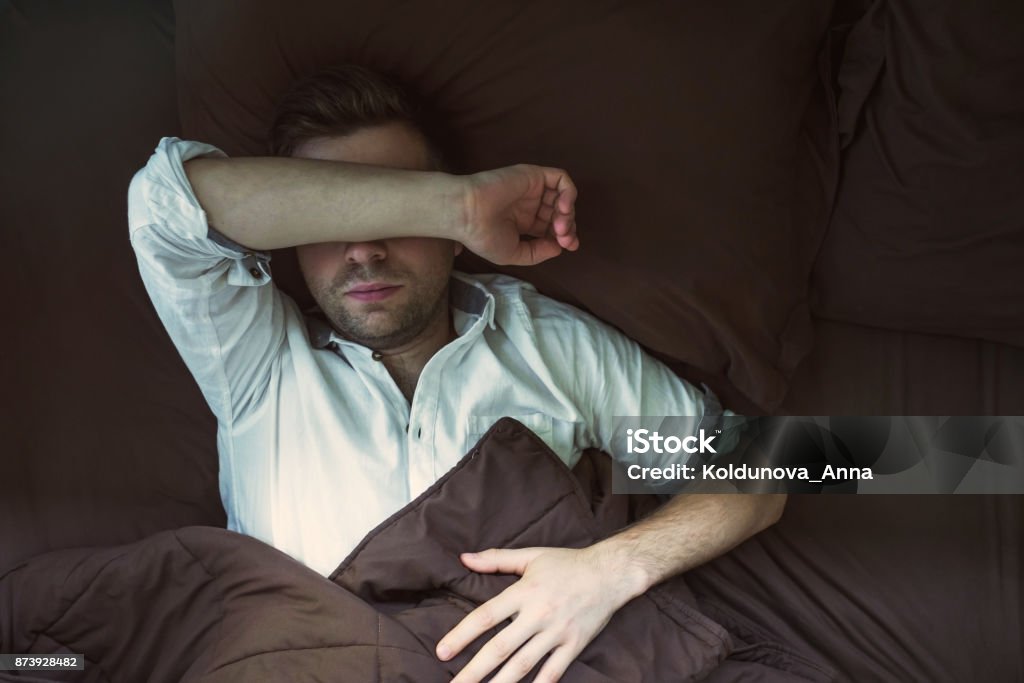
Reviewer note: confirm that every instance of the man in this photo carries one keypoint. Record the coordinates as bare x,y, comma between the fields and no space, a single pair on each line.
328,426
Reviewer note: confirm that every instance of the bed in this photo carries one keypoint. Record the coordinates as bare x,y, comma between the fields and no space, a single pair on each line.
833,191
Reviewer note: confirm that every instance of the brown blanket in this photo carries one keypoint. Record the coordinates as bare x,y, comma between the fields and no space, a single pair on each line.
846,588
206,604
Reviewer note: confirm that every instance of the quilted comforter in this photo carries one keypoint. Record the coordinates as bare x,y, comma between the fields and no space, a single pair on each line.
206,604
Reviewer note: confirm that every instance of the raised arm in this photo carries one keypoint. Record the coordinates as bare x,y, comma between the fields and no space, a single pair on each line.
200,224
516,215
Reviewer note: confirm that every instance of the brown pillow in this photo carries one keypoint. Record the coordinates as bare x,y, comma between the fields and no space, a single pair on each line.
928,229
699,134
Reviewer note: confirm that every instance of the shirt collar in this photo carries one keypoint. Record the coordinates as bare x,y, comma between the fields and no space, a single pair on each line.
464,294
320,332
470,296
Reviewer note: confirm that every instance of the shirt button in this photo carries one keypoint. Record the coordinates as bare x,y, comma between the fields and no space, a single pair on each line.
256,272
376,355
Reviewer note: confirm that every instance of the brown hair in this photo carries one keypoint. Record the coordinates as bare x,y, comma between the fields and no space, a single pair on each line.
341,100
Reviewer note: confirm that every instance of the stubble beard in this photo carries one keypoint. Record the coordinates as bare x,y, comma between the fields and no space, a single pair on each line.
425,303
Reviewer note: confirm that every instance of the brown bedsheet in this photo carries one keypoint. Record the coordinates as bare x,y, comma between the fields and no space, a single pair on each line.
858,370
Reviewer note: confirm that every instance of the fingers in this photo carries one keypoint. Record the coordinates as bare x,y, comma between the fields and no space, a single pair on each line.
499,649
522,662
532,252
557,180
558,207
549,197
522,215
565,233
495,610
528,252
561,229
478,622
557,664
500,560
558,608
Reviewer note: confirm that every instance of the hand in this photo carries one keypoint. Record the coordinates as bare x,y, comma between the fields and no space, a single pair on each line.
520,215
563,600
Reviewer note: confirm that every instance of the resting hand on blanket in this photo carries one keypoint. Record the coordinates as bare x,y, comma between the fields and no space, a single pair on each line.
565,597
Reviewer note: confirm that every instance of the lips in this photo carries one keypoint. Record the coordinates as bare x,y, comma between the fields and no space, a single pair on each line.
372,291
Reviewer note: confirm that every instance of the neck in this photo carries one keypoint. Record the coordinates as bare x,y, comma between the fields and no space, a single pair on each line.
405,363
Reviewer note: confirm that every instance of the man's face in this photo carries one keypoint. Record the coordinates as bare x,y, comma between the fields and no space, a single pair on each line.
381,294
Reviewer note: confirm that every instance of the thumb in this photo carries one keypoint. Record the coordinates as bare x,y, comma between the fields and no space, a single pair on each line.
501,561
532,252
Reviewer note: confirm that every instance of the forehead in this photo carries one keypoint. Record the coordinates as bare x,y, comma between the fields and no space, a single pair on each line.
392,144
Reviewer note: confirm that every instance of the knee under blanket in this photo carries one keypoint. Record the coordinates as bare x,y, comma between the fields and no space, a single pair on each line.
206,604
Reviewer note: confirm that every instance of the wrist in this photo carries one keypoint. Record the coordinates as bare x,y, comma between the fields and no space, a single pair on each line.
460,206
432,201
619,559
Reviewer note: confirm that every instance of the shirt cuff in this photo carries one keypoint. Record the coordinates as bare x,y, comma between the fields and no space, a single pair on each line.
256,262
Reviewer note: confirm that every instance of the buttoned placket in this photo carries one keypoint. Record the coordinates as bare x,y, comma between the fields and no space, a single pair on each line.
422,423
369,363
423,417
420,416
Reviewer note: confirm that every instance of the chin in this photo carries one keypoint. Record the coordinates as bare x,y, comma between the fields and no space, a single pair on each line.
364,331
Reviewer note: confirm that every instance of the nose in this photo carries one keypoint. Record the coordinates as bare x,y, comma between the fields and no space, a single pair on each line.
365,252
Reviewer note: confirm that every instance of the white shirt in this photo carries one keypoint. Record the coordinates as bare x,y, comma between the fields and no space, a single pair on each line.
317,444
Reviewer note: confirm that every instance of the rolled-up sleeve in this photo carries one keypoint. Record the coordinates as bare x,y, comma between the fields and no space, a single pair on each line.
215,297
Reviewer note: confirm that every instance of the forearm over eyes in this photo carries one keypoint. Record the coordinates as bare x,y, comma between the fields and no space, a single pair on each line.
273,202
